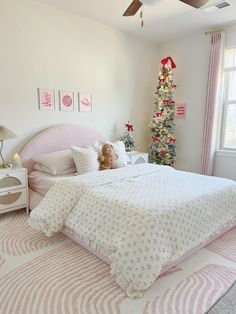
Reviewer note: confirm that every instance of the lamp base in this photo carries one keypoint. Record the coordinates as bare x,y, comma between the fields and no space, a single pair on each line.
3,166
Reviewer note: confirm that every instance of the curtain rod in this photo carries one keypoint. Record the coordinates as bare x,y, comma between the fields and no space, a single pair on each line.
212,32
220,30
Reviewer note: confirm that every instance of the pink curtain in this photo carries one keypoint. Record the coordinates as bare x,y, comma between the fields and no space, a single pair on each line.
212,99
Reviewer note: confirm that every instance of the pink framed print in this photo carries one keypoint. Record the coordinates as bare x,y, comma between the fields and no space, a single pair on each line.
66,100
85,102
46,99
180,110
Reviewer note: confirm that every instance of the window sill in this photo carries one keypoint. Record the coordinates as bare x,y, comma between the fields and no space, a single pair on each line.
226,153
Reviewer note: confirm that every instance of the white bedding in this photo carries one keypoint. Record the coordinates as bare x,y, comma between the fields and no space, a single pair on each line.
141,217
41,182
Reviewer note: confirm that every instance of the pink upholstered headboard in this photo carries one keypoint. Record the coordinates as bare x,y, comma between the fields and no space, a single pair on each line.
58,138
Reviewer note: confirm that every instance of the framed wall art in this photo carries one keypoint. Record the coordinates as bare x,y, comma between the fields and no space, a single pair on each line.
85,102
180,110
66,99
46,98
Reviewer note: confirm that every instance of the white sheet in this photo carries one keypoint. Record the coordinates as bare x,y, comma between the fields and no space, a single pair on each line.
41,182
142,217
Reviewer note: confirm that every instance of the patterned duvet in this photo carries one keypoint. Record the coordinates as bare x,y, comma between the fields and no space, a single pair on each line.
141,217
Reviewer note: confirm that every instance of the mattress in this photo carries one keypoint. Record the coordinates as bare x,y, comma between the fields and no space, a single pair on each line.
41,182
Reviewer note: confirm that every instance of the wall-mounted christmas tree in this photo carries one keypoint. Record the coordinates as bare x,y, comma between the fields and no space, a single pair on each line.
163,147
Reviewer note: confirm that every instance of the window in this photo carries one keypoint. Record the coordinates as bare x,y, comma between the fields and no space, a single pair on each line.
229,98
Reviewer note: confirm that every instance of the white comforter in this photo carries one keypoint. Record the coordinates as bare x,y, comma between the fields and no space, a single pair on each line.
141,217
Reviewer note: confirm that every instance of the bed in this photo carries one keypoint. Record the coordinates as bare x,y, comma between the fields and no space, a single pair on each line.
142,219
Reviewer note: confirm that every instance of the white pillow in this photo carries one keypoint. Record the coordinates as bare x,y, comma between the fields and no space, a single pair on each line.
56,163
119,149
57,172
85,159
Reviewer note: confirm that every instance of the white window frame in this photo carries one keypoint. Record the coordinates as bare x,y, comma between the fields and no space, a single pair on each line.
226,103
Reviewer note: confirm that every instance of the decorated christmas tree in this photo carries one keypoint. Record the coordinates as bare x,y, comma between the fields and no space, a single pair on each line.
127,137
163,147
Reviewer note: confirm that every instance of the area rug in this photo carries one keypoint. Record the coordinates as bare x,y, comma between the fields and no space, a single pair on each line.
40,275
227,304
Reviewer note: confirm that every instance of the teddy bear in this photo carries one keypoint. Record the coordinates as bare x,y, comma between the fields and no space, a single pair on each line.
108,157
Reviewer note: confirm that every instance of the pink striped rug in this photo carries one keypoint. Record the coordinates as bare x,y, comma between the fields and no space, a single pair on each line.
55,275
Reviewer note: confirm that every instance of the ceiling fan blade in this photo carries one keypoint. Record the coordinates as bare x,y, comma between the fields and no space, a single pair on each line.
133,8
195,3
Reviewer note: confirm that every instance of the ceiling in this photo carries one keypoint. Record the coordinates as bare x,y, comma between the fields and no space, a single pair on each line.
163,21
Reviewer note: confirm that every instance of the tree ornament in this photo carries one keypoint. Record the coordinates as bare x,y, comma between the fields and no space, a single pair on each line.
163,146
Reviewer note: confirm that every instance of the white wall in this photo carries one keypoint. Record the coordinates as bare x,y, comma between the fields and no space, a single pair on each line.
42,46
191,55
231,37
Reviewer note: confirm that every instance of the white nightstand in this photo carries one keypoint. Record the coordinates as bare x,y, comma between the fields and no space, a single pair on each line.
137,158
13,190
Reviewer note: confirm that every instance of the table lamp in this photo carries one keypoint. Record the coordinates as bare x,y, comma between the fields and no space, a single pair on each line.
5,134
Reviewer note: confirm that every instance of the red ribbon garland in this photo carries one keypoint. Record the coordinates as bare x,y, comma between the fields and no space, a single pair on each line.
162,153
166,101
155,139
165,61
172,140
159,114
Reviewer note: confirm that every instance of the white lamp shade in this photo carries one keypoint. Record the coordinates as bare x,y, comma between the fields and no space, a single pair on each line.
6,134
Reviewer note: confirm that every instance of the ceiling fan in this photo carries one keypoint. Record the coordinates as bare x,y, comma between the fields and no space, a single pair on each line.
137,4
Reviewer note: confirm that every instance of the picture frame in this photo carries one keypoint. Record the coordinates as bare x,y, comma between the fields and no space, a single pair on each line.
85,102
46,99
181,110
66,100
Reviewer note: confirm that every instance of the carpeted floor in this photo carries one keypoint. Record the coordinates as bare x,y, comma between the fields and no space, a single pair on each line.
227,304
40,275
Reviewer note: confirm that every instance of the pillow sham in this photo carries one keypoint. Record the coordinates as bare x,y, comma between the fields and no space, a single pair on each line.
56,163
85,159
119,149
41,168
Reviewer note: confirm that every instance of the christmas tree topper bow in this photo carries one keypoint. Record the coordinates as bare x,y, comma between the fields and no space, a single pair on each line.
165,61
130,127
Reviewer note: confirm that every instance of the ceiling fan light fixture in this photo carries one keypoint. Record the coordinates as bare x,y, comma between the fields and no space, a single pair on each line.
137,4
149,2
197,4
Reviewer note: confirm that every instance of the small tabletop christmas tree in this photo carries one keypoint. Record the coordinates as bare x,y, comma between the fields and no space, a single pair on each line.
127,138
163,147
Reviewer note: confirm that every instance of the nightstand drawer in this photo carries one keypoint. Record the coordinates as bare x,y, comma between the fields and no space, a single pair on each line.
12,180
13,198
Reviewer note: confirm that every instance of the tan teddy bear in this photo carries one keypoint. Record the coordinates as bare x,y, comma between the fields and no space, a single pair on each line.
108,158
